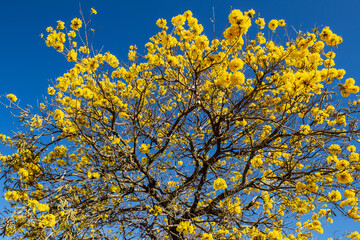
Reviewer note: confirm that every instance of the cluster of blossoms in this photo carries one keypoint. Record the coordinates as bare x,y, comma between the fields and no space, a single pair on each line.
220,184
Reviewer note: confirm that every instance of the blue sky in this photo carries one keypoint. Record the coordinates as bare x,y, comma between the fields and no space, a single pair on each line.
27,65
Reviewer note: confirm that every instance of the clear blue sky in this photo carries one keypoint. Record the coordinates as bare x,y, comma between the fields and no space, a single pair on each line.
27,65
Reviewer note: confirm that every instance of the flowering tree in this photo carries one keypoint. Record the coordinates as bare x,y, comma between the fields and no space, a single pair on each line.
242,137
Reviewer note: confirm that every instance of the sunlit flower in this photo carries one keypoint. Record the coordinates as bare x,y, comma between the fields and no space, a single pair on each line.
93,11
76,24
12,97
273,24
219,184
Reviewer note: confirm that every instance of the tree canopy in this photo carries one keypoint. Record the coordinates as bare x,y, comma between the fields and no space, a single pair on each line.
249,136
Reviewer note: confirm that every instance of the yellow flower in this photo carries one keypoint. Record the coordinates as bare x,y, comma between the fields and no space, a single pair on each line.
281,23
235,16
76,24
48,220
250,13
329,63
351,148
342,164
11,196
172,60
273,24
219,184
96,175
72,34
58,114
84,50
93,11
260,22
344,177
325,34
207,236
186,228
144,148
340,73
49,29
115,189
188,14
334,195
23,173
179,20
71,56
348,193
111,60
354,235
237,78
92,64
348,87
334,40
12,97
334,149
88,94
156,210
43,207
236,64
304,129
61,25
51,91
161,23
36,121
32,203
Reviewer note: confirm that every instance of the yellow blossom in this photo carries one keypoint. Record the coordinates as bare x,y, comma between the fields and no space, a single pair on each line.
334,195
145,148
344,177
93,11
76,24
219,184
273,24
207,236
281,23
12,97
61,25
71,56
48,220
11,196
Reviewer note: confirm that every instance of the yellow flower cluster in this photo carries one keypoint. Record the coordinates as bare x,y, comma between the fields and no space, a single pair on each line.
156,210
329,37
334,195
354,235
48,220
16,195
344,177
76,24
55,39
273,24
144,148
207,236
219,184
12,97
186,228
240,23
334,149
36,206
348,87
